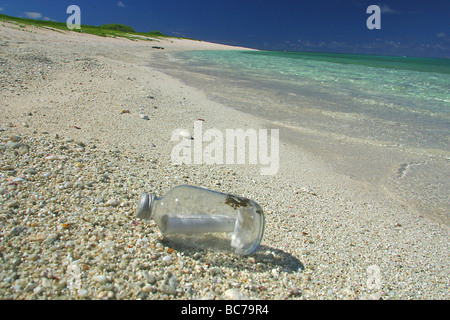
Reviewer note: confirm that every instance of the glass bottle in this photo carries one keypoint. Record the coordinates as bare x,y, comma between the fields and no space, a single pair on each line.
197,217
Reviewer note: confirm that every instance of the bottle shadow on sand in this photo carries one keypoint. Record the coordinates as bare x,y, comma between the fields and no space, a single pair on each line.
264,259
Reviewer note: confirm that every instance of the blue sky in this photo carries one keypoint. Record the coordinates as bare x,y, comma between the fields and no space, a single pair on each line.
408,27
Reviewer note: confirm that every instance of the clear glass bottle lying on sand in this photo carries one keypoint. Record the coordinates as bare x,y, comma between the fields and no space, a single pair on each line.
196,217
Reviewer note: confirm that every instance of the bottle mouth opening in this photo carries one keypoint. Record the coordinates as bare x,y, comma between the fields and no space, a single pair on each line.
144,208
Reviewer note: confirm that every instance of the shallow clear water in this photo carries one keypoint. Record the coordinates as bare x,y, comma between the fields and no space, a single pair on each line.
385,120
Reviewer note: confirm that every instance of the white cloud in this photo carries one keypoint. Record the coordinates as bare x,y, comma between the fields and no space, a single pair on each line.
1,9
121,4
179,34
443,36
33,15
386,9
37,15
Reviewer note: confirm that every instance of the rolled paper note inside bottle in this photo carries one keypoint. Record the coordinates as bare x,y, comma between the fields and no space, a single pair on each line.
196,224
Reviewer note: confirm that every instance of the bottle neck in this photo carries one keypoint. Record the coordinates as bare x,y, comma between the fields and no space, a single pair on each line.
145,205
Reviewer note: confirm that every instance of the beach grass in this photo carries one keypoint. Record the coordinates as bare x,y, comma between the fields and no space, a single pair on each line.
112,30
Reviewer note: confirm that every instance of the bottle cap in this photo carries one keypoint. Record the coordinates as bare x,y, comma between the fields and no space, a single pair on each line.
144,208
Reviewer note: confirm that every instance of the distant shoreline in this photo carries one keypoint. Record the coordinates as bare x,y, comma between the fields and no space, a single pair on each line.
107,31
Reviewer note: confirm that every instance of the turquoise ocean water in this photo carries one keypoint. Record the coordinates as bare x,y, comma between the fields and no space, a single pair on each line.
380,119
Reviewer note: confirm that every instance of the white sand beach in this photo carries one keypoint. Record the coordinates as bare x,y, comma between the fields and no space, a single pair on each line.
76,153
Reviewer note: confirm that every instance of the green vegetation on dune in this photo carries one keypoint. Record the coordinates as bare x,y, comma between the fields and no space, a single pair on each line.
117,27
107,30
